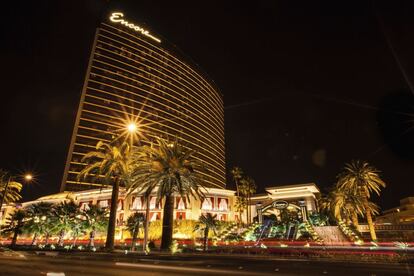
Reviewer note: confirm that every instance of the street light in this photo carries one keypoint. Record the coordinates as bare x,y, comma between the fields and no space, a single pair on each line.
132,127
28,177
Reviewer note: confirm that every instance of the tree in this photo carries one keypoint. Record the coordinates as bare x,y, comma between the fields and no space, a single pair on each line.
15,225
94,219
38,220
206,223
134,222
237,174
247,187
358,177
167,169
9,189
65,214
342,205
111,163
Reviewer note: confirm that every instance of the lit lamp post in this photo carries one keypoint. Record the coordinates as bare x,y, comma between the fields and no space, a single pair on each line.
132,129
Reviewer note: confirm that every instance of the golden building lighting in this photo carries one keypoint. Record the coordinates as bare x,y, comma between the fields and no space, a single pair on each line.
137,83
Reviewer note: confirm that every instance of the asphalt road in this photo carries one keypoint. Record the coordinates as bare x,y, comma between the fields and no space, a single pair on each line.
17,263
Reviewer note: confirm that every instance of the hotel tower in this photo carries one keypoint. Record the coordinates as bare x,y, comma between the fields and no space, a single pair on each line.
134,74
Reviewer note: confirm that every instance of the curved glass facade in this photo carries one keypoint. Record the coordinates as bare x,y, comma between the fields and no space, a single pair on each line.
131,75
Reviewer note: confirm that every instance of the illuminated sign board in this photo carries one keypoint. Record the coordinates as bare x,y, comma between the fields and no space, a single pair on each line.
117,17
280,204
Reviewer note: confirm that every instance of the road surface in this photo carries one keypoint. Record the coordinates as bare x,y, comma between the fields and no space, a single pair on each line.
19,263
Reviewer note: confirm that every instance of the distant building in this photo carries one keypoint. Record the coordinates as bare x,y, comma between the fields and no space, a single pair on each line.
403,214
134,75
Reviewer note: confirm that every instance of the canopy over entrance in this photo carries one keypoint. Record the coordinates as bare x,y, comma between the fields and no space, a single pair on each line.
299,197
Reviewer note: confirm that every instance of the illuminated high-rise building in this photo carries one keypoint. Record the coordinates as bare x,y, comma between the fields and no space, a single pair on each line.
134,75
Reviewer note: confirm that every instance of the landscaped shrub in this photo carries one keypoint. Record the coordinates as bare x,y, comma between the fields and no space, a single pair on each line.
184,229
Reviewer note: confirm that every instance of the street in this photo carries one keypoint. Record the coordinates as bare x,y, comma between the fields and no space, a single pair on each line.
20,263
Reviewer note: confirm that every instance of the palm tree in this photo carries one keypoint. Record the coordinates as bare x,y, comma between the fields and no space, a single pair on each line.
65,213
95,219
168,169
362,179
15,225
78,229
343,205
206,223
133,223
112,163
9,189
38,219
237,174
246,189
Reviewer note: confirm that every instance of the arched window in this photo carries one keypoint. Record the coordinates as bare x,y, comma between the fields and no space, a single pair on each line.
137,203
181,204
223,204
207,204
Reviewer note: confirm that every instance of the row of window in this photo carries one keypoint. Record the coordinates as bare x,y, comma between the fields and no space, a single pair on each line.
208,204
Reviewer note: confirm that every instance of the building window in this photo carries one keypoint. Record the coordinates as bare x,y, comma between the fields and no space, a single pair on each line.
153,202
137,203
120,205
222,217
180,215
207,204
84,206
103,203
155,216
180,204
223,205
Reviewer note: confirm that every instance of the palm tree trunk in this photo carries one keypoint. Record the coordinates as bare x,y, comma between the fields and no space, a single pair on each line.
167,223
92,238
249,213
14,239
109,245
61,238
47,238
240,212
34,239
369,220
355,220
206,238
147,214
134,238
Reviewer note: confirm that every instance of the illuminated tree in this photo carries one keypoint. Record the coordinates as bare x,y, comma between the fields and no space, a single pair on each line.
343,205
66,219
9,189
94,219
360,178
237,174
206,223
134,222
38,220
167,169
247,188
111,163
15,225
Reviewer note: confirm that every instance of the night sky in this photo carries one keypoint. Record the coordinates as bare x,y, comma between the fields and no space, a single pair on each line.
307,85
